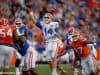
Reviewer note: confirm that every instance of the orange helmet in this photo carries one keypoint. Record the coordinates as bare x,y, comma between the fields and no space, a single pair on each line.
4,21
75,36
71,30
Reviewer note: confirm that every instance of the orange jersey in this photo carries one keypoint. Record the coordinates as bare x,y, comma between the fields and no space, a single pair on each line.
6,34
84,49
98,54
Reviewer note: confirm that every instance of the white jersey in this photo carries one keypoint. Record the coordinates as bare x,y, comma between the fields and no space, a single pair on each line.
49,30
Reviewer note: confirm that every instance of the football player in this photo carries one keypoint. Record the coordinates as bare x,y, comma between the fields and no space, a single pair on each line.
27,52
83,53
51,34
6,43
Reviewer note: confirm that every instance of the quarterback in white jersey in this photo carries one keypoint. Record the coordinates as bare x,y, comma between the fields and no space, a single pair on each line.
51,34
50,30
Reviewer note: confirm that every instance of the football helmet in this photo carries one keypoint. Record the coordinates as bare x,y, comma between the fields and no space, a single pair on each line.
18,20
71,30
48,17
4,21
75,36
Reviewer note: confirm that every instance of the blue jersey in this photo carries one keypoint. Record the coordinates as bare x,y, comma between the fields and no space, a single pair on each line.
22,29
22,48
68,38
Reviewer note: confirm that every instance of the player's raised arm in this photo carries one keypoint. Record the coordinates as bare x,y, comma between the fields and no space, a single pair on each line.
37,23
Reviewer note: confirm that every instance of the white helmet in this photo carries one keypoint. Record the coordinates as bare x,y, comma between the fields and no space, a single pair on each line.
48,17
18,20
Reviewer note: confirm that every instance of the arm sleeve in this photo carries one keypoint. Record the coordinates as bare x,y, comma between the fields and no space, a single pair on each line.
38,24
85,42
56,28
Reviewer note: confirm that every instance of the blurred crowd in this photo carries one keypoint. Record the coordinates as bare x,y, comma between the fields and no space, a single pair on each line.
83,15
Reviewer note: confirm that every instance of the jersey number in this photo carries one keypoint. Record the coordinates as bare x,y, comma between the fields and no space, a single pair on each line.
4,34
49,31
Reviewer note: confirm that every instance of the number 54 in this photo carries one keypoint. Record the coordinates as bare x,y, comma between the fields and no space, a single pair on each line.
4,34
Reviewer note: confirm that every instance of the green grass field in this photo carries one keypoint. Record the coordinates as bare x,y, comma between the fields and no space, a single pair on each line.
43,69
